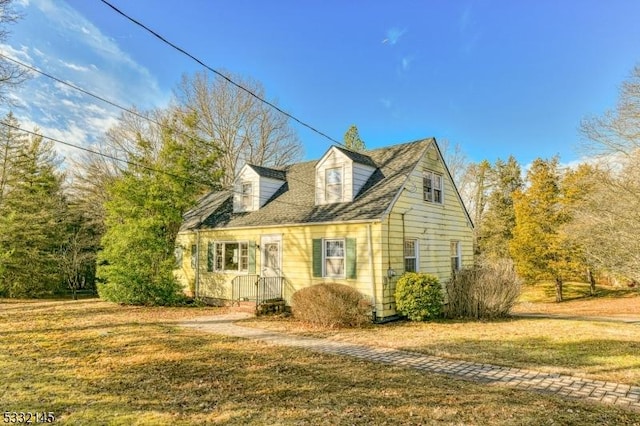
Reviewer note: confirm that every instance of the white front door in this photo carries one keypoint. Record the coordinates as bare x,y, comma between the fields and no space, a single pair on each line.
271,246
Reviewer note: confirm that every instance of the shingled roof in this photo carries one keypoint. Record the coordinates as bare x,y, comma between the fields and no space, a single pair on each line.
269,173
294,202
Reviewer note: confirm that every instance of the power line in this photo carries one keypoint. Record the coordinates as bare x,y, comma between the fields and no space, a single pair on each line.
184,52
128,162
98,97
101,98
128,110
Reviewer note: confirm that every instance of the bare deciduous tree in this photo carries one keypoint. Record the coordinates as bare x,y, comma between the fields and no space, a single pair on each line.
241,127
11,74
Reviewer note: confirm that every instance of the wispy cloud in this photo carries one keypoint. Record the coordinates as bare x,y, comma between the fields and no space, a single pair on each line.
58,40
393,35
406,62
75,67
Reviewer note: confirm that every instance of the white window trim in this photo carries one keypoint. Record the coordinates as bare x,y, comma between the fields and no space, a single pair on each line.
246,206
344,258
433,180
458,254
215,256
326,185
416,248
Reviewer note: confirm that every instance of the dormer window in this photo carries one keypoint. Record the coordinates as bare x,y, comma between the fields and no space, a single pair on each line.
333,184
247,196
341,174
432,187
254,186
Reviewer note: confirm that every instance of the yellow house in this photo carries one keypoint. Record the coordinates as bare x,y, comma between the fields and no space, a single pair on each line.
360,219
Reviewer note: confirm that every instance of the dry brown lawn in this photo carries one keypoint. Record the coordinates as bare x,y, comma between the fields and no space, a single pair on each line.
95,363
610,301
594,349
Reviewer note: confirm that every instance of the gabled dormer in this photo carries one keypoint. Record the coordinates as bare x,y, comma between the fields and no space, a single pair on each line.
253,187
340,174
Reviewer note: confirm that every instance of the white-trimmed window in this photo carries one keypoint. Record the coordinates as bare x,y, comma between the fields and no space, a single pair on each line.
247,195
456,261
432,187
333,184
411,255
333,255
231,256
194,256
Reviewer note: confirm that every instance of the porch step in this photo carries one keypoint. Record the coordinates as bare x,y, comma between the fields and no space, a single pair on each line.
272,307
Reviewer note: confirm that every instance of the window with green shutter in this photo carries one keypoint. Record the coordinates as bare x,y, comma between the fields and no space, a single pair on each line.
209,257
316,255
334,258
351,258
252,257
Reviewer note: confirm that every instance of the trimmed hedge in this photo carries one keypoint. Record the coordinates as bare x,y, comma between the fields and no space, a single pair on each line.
331,305
419,296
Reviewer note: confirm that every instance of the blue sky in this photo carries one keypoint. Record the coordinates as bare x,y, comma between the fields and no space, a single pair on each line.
497,77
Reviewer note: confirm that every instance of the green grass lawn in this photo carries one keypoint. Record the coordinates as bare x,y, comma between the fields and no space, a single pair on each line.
94,363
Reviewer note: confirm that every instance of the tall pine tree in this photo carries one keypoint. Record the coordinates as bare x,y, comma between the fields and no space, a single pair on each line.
32,215
352,139
498,221
540,248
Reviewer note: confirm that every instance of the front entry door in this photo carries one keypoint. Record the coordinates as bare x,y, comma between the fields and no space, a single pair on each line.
271,255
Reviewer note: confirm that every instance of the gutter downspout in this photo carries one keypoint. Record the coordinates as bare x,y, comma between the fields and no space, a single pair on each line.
197,263
372,270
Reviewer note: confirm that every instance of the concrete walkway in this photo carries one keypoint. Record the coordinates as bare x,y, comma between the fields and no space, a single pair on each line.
561,385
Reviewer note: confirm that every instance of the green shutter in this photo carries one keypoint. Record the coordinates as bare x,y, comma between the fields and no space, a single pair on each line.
351,258
317,258
210,257
252,257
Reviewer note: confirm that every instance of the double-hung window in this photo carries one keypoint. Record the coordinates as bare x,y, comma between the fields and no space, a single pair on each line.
410,255
247,196
333,185
455,256
230,256
432,187
334,258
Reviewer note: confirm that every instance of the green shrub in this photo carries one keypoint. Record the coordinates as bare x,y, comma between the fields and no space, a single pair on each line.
419,296
483,291
331,305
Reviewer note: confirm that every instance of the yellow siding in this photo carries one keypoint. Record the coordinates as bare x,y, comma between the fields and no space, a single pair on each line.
433,225
296,257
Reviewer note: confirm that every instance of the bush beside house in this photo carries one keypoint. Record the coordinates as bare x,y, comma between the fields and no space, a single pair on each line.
419,296
331,305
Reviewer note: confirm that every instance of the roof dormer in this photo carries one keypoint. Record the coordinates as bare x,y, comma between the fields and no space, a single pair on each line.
340,174
254,186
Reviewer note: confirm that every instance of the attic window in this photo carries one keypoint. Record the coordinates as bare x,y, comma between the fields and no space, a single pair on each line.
432,187
247,196
333,185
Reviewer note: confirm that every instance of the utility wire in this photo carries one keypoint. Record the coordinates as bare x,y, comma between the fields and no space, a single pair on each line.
218,73
100,98
128,162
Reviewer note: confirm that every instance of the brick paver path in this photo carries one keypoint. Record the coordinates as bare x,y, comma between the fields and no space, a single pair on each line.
561,385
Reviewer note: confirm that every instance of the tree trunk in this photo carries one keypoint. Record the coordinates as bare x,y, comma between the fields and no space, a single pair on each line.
558,289
592,282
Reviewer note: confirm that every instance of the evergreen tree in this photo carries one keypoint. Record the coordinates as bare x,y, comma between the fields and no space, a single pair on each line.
31,222
143,216
352,139
498,221
539,247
